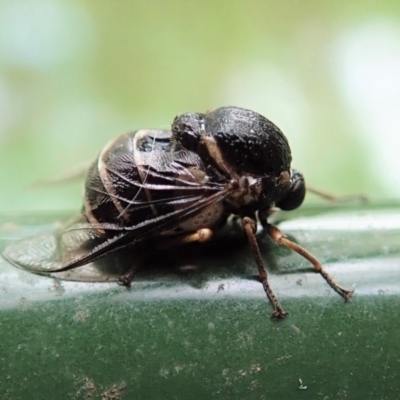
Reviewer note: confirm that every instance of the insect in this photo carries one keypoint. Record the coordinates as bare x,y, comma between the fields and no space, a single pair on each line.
180,186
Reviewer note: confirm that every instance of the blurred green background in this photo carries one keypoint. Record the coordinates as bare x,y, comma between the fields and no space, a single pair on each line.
75,73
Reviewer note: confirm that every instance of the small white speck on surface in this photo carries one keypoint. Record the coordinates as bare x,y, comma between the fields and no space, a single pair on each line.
302,387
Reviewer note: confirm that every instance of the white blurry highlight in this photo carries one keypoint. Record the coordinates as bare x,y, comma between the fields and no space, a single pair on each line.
42,33
367,69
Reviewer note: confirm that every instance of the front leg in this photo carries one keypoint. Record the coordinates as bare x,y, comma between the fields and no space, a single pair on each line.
279,238
337,199
249,225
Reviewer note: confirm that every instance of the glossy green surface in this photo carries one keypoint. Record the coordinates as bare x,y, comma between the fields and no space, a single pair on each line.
205,332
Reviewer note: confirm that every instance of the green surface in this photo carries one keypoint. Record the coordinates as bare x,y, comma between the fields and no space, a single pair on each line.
204,332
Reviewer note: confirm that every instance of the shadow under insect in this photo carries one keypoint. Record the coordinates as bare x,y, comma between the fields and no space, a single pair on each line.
225,256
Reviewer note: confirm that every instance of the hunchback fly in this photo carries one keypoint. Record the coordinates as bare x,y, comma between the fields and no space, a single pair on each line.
174,187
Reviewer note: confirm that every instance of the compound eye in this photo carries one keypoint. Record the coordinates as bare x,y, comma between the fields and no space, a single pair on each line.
187,130
296,193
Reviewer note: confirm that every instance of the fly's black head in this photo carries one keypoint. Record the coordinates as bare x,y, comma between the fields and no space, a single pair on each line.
187,130
295,194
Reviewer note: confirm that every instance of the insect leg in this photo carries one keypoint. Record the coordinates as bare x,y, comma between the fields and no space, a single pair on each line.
126,279
75,174
249,225
279,238
337,199
202,235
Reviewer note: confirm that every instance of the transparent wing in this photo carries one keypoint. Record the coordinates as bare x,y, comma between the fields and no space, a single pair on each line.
83,244
50,252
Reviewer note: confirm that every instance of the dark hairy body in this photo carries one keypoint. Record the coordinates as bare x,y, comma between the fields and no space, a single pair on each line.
180,186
